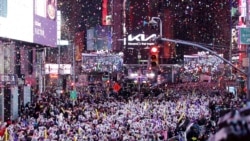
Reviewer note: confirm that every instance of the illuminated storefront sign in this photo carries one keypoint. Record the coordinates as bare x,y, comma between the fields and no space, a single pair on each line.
53,69
8,78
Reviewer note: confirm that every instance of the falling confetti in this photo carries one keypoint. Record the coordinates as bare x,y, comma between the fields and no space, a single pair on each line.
201,21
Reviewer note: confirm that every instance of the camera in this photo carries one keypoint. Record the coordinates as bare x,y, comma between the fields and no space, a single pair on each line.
153,24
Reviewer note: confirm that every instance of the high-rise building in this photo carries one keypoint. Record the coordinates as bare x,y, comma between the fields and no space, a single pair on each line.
204,22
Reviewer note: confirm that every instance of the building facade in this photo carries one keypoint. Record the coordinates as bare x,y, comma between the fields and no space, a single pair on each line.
22,40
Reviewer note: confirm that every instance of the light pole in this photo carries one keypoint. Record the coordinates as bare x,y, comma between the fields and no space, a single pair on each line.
248,49
154,22
139,73
124,23
59,63
73,63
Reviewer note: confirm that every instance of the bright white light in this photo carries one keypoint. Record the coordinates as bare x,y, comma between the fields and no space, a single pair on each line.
150,75
154,49
133,75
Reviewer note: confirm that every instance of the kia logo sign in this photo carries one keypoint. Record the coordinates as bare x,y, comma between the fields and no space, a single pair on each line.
139,39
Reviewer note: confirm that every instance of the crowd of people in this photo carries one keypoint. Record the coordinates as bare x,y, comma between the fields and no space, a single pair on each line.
167,116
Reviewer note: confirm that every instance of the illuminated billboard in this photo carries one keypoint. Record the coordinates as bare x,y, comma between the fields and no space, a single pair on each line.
139,32
99,38
138,35
31,21
106,9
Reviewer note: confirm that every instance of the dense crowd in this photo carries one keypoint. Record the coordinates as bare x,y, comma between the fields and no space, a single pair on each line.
111,118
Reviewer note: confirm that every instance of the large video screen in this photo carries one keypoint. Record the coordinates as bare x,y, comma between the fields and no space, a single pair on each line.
31,21
99,38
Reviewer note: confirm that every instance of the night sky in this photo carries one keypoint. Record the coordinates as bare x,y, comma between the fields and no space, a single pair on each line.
81,14
202,21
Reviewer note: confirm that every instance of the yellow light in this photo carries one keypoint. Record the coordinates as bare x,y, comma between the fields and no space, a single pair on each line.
53,75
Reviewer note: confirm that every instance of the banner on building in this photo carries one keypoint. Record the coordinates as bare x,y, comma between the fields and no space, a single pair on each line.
8,79
91,39
26,94
79,45
14,101
106,18
53,69
2,106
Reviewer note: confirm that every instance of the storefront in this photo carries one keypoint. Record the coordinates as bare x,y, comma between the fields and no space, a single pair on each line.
57,76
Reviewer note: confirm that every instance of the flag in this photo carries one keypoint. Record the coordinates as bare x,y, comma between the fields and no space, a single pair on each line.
75,138
178,106
145,105
68,130
62,110
97,113
182,115
164,115
6,135
79,130
105,115
45,134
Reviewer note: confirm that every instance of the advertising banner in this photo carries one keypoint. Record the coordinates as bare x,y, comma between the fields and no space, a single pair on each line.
91,39
106,17
26,94
79,45
103,38
139,33
99,38
14,101
53,68
104,11
8,79
45,22
31,21
1,106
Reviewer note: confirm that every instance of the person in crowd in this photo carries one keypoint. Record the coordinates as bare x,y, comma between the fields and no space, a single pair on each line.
184,111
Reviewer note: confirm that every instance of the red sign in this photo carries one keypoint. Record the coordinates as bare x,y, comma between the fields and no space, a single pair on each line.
116,87
104,11
30,80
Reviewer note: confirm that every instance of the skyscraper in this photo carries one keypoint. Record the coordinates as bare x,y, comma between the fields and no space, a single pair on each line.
203,22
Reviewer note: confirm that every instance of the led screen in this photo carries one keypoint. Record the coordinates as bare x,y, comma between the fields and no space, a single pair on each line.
31,21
